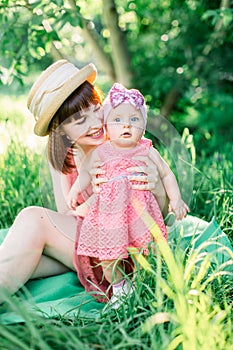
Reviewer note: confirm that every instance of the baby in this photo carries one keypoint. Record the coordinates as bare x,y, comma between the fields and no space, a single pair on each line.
111,223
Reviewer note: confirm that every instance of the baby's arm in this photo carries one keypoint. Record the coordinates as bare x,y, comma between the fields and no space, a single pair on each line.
82,182
177,205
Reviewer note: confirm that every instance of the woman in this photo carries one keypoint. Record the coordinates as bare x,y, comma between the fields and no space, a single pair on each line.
68,109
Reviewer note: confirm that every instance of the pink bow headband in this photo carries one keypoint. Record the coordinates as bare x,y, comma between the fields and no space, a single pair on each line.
118,94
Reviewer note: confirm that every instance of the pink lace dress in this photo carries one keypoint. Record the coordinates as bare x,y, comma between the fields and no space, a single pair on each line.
112,224
89,272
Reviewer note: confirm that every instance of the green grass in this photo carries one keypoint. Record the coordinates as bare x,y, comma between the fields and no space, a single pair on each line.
24,177
181,300
19,182
213,190
174,307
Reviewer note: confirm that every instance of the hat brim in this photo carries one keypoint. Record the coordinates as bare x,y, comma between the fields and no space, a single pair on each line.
87,73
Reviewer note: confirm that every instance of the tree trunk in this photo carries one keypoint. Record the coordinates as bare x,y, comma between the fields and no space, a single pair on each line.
94,40
120,53
170,102
92,37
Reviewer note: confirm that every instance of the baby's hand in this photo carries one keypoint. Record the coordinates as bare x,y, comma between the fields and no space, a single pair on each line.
180,208
72,199
81,210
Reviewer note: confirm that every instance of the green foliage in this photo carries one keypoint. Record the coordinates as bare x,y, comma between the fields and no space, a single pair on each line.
179,46
224,14
27,34
162,36
215,114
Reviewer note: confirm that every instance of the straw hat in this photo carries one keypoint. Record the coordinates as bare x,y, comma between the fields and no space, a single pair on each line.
52,88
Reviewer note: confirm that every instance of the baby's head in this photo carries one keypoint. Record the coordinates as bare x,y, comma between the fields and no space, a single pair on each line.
118,94
124,116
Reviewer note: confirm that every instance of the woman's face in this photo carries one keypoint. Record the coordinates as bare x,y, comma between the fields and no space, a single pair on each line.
87,130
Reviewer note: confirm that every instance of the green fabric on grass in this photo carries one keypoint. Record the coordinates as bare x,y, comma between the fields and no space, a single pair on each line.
196,234
64,296
56,296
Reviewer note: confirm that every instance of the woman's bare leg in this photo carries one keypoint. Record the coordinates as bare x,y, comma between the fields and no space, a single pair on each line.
36,231
49,267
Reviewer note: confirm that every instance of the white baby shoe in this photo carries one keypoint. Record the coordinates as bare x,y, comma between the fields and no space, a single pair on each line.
121,291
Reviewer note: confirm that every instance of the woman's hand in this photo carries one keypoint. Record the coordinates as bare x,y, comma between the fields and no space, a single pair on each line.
146,176
150,180
143,177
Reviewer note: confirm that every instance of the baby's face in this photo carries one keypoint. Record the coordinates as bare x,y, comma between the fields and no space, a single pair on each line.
125,125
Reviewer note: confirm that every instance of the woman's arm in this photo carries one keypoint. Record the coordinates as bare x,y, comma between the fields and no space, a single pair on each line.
60,189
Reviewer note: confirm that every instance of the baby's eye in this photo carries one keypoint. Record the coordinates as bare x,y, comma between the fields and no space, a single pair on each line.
134,119
117,119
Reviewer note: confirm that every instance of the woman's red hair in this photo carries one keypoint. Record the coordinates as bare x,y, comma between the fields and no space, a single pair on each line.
60,153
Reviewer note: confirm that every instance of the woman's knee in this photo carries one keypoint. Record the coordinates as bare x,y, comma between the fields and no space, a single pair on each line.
32,216
32,211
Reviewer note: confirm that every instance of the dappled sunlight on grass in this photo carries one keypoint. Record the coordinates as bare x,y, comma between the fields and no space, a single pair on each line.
16,122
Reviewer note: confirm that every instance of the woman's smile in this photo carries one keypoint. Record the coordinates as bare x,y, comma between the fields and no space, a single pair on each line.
96,134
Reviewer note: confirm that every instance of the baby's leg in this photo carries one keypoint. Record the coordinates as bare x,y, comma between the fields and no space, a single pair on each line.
112,270
121,287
